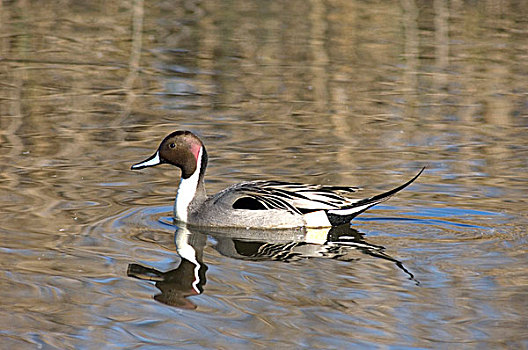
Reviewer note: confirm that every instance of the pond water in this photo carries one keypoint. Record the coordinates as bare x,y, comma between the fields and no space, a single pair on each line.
329,92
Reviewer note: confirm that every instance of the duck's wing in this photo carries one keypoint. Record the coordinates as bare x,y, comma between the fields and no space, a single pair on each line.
307,198
294,197
332,201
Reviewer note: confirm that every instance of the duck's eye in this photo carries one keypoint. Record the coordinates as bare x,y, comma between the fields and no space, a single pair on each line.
172,145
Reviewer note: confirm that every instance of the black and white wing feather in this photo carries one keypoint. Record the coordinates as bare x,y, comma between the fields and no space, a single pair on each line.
303,199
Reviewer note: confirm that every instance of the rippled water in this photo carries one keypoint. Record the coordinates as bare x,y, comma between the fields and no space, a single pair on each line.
338,92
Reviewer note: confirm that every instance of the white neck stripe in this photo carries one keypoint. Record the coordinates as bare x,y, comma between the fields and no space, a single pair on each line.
187,190
187,252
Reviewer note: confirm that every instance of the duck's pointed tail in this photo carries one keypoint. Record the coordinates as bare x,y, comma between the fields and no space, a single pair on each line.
345,214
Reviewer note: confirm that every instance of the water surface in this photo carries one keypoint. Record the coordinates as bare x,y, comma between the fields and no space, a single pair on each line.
339,92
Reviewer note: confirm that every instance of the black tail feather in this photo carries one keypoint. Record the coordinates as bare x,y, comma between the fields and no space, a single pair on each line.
336,219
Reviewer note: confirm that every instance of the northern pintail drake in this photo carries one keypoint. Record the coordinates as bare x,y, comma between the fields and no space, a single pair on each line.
254,204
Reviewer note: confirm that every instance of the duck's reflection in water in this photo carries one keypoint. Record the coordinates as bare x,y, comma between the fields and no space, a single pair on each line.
340,243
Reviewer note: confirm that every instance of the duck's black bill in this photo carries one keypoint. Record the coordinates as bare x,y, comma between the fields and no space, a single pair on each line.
152,161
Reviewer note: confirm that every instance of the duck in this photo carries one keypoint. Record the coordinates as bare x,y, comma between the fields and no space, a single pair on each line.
261,204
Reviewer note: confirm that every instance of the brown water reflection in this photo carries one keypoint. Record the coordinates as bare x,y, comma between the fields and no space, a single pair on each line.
342,92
